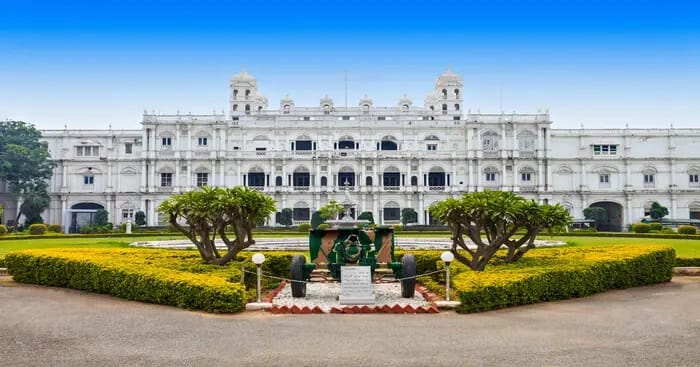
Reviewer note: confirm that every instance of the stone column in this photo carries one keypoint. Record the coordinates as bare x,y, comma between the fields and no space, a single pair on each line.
213,173
144,174
64,171
540,176
421,209
109,176
152,178
177,176
64,215
188,181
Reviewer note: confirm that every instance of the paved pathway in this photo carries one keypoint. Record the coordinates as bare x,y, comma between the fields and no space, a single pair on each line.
647,326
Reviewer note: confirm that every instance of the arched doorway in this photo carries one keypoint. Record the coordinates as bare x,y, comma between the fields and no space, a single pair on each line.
614,216
81,215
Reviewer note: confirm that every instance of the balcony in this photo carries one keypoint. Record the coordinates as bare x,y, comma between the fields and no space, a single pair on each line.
301,188
258,188
436,188
164,189
392,188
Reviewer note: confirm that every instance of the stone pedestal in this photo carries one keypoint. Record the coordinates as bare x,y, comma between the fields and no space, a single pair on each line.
356,286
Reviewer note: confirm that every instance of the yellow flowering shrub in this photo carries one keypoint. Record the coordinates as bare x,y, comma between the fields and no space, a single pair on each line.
547,274
170,277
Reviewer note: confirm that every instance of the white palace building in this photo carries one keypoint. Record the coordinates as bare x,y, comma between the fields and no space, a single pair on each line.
380,159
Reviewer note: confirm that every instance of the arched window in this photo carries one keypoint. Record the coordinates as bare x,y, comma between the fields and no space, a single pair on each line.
235,107
285,109
431,142
368,181
235,93
526,141
404,107
527,176
490,142
388,143
247,93
456,106
694,176
444,93
456,93
326,109
324,181
432,108
694,210
301,177
444,109
346,142
301,211
491,176
391,178
256,177
436,178
365,108
392,211
649,177
303,143
414,180
346,177
247,109
260,108
278,181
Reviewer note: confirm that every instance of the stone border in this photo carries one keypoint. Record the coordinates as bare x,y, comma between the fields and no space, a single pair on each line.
687,270
397,309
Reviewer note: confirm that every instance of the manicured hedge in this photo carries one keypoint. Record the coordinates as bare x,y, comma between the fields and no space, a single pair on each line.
168,277
675,236
689,230
554,274
687,261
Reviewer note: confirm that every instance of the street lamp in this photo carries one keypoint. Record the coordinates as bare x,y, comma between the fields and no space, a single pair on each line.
258,260
447,257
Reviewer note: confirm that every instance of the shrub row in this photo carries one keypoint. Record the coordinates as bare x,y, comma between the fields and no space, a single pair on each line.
554,274
675,236
685,229
168,277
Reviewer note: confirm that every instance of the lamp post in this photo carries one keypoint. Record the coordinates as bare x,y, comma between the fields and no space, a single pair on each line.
447,257
258,260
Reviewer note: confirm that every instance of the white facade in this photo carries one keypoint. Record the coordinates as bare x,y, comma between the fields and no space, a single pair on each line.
387,158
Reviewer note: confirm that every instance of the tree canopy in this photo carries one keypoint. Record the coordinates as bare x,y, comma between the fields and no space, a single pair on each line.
331,210
504,217
25,166
286,216
596,213
207,213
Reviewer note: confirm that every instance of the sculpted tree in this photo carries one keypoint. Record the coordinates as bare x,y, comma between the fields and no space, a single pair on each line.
285,217
505,218
210,210
657,211
408,215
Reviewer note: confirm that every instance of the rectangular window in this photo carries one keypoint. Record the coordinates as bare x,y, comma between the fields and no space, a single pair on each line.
202,142
605,149
693,178
491,177
381,118
128,148
648,179
88,180
202,179
526,176
127,214
303,145
87,151
166,179
432,146
259,149
604,178
392,214
166,142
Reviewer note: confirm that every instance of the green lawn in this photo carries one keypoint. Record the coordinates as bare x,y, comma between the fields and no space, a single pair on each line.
684,248
8,246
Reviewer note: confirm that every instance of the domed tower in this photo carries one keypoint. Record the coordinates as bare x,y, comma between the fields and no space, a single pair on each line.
244,95
446,99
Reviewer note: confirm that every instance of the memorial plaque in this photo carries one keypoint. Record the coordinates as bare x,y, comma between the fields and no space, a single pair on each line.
356,285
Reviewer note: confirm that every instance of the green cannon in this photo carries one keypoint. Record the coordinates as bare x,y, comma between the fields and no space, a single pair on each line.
332,248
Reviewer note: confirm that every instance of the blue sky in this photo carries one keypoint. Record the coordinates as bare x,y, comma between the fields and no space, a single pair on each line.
596,63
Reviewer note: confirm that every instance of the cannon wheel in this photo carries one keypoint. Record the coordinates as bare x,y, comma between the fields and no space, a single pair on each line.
297,273
408,269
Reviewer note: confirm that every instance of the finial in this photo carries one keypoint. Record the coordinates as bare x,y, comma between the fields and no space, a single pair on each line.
672,125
